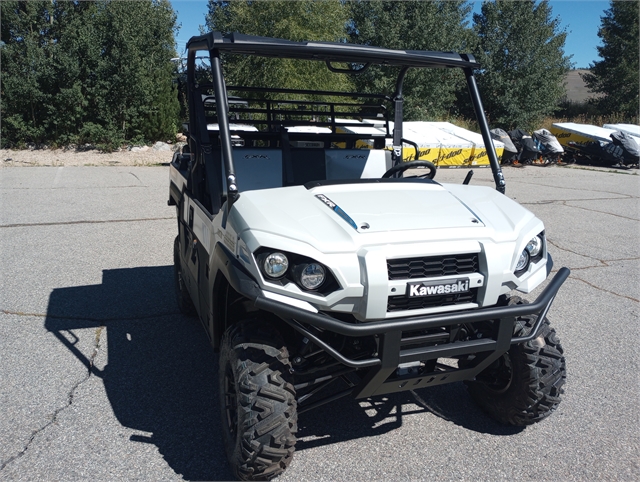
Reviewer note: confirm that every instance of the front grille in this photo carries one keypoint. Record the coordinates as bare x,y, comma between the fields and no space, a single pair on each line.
432,266
402,303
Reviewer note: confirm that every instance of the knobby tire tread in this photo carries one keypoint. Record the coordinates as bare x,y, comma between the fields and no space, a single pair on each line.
539,373
267,410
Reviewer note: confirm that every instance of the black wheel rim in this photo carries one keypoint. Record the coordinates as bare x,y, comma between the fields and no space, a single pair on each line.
230,402
498,376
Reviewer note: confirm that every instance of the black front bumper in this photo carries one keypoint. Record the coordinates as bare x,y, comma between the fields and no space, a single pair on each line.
394,349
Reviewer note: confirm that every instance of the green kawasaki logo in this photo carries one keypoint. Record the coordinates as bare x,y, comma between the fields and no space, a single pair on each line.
434,288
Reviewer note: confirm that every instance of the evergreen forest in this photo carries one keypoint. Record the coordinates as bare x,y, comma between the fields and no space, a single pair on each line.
104,72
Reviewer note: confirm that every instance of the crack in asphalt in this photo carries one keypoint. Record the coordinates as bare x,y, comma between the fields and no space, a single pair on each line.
529,183
136,178
565,203
66,223
91,360
602,264
604,290
69,188
54,417
601,212
88,318
552,201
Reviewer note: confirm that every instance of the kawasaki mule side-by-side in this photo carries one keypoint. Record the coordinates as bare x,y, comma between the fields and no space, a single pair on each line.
321,265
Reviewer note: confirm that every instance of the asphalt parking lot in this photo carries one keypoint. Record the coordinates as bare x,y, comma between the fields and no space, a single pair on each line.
102,379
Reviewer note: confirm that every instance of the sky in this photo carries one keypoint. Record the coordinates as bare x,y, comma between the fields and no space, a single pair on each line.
580,18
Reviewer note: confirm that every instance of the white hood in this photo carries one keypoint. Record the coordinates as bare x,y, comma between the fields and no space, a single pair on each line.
406,219
396,207
419,210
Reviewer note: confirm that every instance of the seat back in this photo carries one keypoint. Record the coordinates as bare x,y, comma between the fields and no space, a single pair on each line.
261,168
257,168
356,163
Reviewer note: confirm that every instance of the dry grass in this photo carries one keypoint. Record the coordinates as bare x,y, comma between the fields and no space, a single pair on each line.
469,124
577,90
596,120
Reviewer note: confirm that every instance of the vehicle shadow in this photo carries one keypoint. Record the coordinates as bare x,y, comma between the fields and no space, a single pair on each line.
383,414
161,376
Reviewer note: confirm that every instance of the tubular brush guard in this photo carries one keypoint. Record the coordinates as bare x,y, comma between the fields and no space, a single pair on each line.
392,351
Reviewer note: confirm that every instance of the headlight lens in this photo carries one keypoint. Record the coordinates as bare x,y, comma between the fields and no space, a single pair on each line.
312,276
534,246
523,261
286,269
275,265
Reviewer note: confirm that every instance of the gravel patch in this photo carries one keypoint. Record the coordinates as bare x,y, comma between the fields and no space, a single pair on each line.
135,156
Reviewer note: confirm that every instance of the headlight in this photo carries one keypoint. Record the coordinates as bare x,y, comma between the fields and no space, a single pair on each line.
532,253
283,267
311,276
275,265
534,246
523,262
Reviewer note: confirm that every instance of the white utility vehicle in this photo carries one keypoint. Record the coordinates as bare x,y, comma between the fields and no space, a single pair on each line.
320,271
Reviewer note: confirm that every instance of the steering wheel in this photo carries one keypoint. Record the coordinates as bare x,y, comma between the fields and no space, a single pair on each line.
403,166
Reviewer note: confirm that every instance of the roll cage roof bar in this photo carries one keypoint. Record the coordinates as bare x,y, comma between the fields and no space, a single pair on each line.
237,43
328,52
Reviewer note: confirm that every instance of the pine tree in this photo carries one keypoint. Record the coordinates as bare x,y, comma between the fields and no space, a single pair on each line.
26,50
413,25
75,60
521,52
137,43
94,71
617,75
323,20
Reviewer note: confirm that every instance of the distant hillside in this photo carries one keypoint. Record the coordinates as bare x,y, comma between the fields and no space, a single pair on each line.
576,88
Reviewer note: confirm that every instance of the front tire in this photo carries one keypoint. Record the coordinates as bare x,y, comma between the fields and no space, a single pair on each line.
523,386
257,401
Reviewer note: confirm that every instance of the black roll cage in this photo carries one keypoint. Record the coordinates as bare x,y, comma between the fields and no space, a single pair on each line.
235,43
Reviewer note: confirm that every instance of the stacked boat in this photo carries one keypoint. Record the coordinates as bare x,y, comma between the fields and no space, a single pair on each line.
450,146
611,144
443,143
